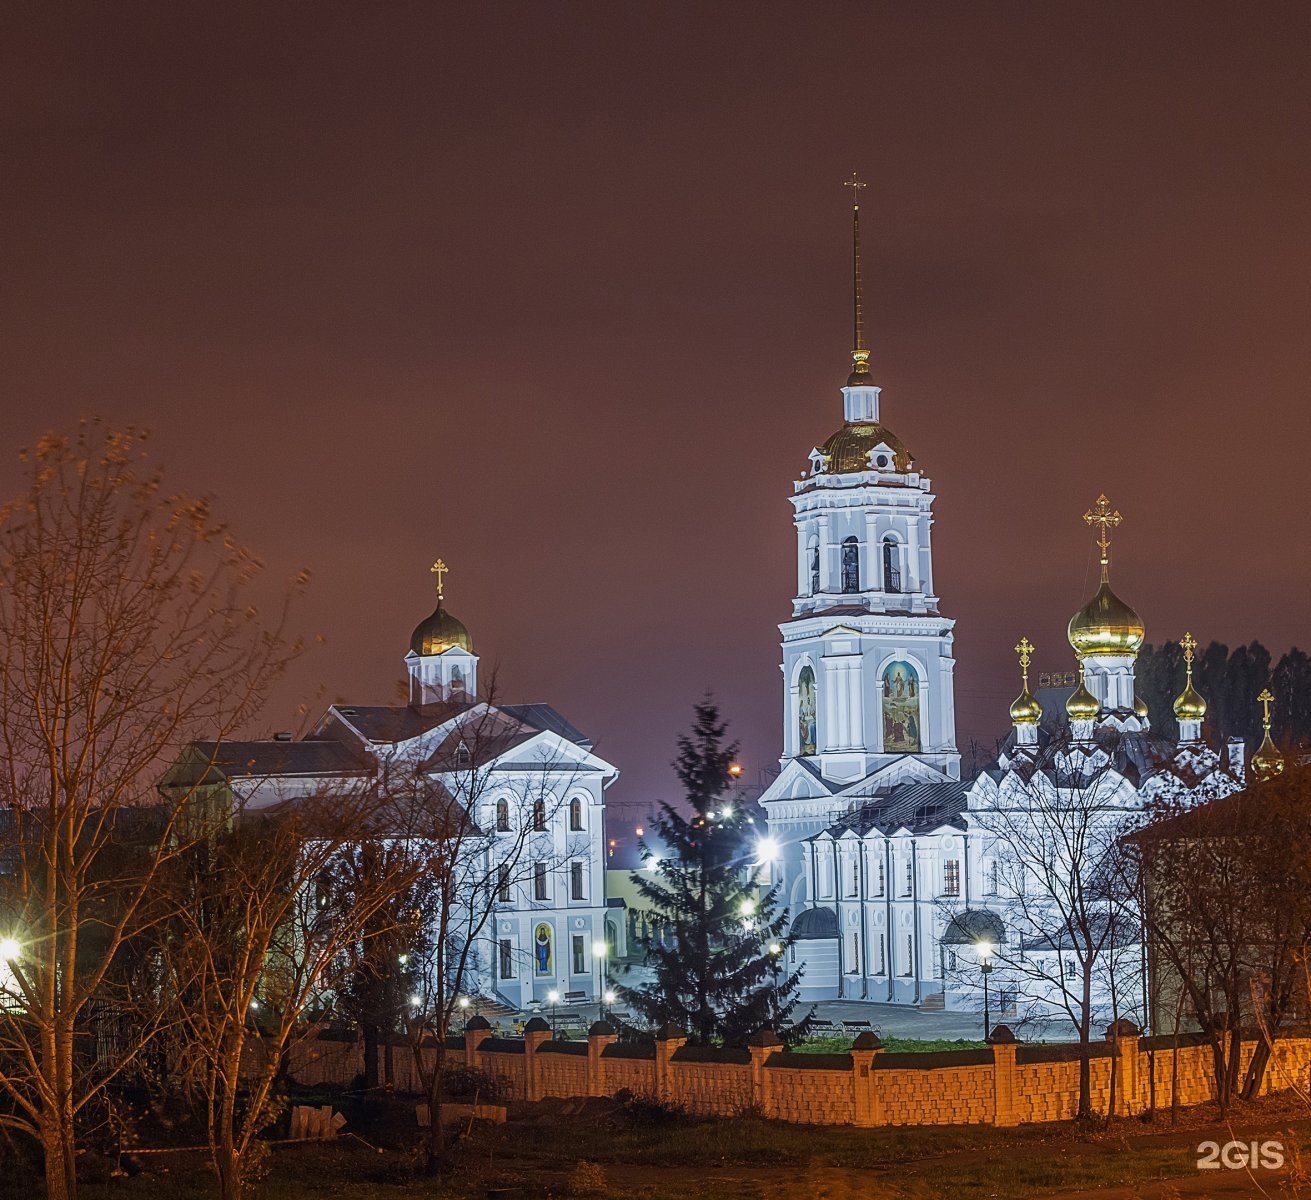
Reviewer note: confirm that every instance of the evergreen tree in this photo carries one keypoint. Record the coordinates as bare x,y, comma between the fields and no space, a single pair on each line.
720,968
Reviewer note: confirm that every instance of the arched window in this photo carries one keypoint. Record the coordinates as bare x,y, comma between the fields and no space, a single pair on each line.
850,565
891,565
539,815
502,816
576,814
814,568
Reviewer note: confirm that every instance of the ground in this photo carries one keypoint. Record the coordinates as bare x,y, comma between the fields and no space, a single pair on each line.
643,1153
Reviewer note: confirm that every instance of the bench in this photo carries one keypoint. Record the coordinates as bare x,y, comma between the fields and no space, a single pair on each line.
856,1025
574,997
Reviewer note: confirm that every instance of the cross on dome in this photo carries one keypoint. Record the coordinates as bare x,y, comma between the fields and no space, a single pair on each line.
439,569
1101,515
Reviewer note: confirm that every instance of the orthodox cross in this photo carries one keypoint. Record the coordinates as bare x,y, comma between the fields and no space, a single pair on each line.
439,569
1025,651
855,184
1267,699
1189,643
1101,515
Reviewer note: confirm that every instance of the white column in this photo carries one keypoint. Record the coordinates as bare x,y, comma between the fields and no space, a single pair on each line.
873,580
826,564
913,555
803,567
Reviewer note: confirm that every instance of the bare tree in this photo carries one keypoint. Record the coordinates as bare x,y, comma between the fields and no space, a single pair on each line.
126,626
1052,833
488,841
1227,907
254,944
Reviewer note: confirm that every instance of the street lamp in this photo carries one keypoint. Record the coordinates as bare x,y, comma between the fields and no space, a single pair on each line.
553,998
463,1002
985,951
599,951
9,949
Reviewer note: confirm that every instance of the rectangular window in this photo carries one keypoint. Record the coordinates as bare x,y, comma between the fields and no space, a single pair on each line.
994,877
503,884
539,880
576,815
909,884
580,956
951,877
1071,967
576,880
853,880
910,956
881,967
507,959
880,883
539,816
853,965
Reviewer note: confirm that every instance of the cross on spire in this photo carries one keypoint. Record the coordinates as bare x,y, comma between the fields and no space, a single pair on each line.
439,569
1267,699
1105,519
859,352
1025,650
1189,643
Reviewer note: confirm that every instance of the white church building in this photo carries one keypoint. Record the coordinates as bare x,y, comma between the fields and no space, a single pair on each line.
885,856
527,780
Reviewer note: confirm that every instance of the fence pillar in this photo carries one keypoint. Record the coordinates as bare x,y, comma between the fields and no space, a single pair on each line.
668,1039
476,1031
601,1035
867,1099
1124,1034
1005,1111
535,1033
760,1046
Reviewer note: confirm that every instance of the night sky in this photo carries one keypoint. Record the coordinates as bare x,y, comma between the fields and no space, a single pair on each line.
560,293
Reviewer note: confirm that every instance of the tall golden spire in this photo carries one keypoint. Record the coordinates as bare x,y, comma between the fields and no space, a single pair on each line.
859,351
1026,710
1267,761
1101,515
1189,705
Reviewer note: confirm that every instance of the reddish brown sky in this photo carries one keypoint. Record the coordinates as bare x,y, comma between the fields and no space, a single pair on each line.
559,292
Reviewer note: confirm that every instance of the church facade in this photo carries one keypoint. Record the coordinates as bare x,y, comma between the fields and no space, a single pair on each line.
895,870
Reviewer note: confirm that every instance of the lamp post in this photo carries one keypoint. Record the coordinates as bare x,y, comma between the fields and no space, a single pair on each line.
600,949
985,951
463,1002
553,998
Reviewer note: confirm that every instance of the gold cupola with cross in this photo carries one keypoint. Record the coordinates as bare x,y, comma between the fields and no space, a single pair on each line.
1189,705
441,661
1267,761
1106,624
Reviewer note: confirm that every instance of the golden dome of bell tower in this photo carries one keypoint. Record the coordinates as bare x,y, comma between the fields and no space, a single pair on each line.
1106,624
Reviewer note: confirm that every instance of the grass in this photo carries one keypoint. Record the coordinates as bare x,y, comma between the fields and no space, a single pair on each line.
653,1154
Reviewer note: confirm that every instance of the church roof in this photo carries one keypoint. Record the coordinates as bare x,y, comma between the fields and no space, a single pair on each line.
548,720
311,757
920,807
389,724
848,449
814,924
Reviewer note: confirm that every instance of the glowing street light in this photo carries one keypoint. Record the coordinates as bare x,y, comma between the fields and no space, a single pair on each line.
553,998
775,948
767,851
985,951
9,949
747,908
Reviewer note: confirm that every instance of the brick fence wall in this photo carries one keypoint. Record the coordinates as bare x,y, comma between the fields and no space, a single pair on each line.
1005,1084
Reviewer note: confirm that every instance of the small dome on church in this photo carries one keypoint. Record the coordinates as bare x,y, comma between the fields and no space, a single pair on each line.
848,449
1140,708
1190,704
1106,625
1082,704
1026,710
440,632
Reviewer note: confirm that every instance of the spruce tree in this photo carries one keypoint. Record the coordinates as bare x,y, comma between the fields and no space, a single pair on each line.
721,966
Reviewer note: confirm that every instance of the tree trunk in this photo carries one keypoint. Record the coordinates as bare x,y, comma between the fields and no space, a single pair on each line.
60,1157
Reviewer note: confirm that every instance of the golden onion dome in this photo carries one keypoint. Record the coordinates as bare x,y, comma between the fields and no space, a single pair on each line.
1082,704
1190,704
1106,625
1026,710
440,632
1140,708
1267,761
848,449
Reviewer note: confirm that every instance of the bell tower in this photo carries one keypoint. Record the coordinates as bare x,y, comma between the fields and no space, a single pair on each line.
867,656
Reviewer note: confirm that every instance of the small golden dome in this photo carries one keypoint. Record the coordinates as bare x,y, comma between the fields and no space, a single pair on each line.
1026,710
1190,704
1267,761
1140,708
848,449
1106,625
1082,704
440,632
